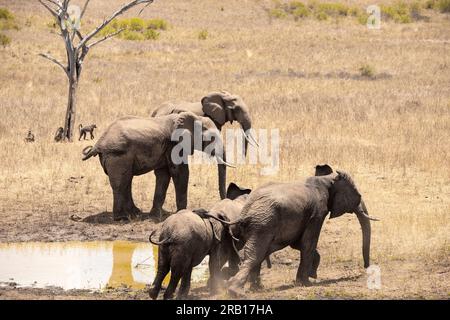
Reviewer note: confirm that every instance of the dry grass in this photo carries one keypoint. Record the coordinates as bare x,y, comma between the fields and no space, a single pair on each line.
390,131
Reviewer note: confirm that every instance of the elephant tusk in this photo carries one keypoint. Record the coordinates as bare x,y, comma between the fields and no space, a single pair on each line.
221,161
254,140
369,217
250,139
233,237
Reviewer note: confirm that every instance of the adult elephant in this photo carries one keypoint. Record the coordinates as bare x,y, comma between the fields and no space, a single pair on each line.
291,214
133,146
221,107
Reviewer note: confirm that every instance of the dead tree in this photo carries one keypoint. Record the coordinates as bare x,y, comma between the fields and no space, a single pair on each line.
68,18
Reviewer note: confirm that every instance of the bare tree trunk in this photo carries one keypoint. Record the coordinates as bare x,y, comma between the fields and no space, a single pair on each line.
69,124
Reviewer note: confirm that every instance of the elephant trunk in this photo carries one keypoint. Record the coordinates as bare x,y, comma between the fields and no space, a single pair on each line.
246,127
222,174
364,221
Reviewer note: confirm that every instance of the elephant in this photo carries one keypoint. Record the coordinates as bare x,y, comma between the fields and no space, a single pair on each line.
220,107
277,215
187,237
133,146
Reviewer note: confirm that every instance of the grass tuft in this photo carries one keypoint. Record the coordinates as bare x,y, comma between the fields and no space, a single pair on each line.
367,71
136,29
203,34
4,40
7,20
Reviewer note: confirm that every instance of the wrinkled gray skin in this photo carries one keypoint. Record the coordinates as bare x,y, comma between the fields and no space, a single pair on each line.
291,214
132,146
187,237
220,107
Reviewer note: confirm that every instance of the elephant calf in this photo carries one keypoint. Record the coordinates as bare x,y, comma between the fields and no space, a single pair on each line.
187,237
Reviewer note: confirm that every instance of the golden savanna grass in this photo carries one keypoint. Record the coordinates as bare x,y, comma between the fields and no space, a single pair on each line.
390,131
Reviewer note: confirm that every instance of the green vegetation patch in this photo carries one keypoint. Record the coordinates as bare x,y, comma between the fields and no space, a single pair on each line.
4,40
398,11
367,71
135,29
7,20
203,35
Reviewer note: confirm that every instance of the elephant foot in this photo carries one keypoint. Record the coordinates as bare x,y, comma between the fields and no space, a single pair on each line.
158,212
153,293
256,286
135,210
213,287
236,292
303,282
168,296
313,275
120,217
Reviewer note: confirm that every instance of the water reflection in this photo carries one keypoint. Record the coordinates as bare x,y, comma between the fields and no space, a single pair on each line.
82,265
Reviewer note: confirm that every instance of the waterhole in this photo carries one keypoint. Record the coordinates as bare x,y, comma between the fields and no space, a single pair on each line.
82,265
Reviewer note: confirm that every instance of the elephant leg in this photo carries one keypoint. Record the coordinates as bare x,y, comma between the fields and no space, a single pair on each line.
233,265
163,270
130,206
180,177
309,241
161,186
255,249
315,264
120,177
214,271
185,285
174,279
177,272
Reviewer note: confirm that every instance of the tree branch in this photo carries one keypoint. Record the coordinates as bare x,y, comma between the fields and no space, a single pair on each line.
112,17
105,38
52,11
49,57
84,9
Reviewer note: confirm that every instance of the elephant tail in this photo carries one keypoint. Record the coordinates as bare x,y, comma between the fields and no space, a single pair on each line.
88,152
268,262
155,242
205,214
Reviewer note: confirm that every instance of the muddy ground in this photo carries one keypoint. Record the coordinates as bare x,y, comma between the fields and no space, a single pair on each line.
400,278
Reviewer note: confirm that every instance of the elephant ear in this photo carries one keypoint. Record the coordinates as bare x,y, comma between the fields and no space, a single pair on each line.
235,191
323,170
185,120
344,195
214,107
201,212
217,226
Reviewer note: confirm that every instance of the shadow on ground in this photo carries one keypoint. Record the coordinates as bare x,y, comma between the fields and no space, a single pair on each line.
106,217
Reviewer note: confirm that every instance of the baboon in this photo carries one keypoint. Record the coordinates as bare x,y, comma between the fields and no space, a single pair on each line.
59,135
85,130
29,137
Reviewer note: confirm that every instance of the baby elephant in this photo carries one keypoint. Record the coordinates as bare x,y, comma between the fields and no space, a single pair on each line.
187,237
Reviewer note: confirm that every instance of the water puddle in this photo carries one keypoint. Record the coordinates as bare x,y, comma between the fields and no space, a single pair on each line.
82,265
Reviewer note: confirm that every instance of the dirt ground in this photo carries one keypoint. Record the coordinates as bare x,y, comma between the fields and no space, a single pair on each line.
400,280
344,278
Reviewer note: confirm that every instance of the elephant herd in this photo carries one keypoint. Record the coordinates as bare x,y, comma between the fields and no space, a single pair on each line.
245,226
